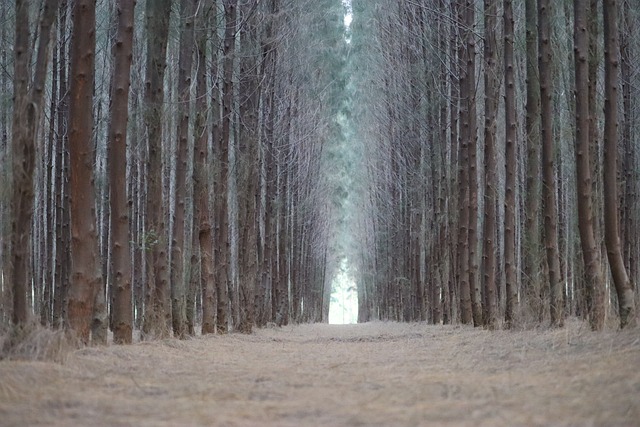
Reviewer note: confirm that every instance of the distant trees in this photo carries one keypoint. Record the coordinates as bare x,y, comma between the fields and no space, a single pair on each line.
423,112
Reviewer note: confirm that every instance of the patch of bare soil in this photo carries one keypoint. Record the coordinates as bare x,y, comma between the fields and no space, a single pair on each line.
376,374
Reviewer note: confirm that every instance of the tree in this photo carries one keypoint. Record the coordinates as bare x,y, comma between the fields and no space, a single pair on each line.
86,278
545,64
154,239
121,81
26,118
492,93
222,254
511,169
624,289
178,247
590,249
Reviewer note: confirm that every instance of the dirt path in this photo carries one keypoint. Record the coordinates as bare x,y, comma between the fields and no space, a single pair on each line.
379,374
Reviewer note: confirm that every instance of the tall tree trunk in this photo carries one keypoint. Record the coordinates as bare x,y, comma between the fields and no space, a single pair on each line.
463,176
247,160
532,257
157,21
590,249
23,153
223,252
624,288
511,161
178,246
119,207
209,295
86,276
492,93
63,239
474,282
548,169
26,119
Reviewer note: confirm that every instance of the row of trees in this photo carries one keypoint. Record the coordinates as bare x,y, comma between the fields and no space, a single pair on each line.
501,157
163,165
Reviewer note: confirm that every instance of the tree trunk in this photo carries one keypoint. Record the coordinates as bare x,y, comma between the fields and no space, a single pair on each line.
154,239
590,249
548,170
209,248
178,246
492,94
532,257
624,288
121,261
26,120
511,161
223,252
85,258
247,160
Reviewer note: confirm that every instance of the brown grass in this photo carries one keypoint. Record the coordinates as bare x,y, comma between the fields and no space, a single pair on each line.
377,374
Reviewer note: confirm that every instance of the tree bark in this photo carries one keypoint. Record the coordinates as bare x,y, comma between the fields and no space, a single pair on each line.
624,288
492,94
178,246
86,276
548,169
119,206
590,249
154,240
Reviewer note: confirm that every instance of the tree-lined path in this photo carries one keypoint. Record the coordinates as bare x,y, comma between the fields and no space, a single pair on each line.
191,189
375,374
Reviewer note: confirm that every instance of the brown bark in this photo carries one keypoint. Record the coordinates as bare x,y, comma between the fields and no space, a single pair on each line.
624,288
532,254
590,249
63,238
492,94
23,152
119,207
223,250
548,170
178,246
248,168
463,180
207,232
85,259
472,135
26,119
511,161
156,313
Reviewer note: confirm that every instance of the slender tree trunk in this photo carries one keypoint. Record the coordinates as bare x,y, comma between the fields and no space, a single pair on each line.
26,120
474,282
121,261
23,153
178,246
154,240
247,161
548,169
223,260
624,288
532,257
62,260
492,93
590,250
511,161
209,289
85,259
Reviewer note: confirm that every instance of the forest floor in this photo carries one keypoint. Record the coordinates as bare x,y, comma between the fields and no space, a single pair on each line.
375,374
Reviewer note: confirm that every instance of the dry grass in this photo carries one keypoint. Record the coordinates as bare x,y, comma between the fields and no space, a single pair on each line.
377,374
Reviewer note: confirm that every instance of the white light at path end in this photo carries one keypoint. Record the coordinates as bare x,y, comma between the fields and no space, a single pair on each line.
343,308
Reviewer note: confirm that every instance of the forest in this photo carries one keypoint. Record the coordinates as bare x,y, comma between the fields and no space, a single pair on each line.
183,167
208,179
